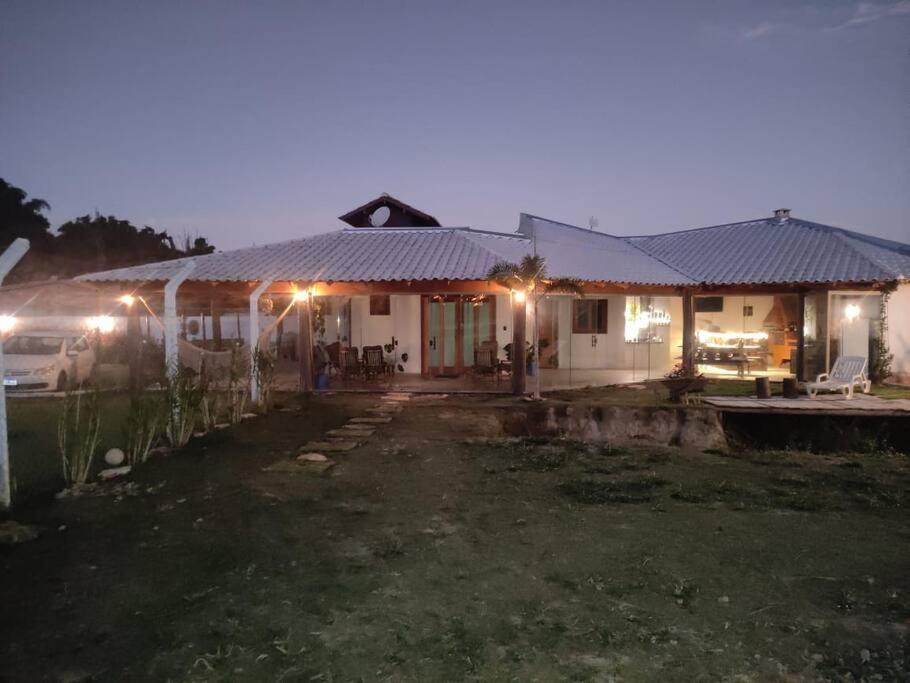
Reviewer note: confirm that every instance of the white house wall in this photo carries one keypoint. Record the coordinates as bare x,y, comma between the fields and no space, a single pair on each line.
403,323
899,332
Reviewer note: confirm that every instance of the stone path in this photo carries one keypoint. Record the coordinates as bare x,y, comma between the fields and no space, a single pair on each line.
358,430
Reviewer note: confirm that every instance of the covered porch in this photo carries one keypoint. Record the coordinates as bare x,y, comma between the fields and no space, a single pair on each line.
462,336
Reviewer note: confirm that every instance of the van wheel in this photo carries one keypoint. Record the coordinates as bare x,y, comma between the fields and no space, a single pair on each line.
61,382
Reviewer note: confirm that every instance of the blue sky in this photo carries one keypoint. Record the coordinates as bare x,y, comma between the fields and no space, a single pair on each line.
258,122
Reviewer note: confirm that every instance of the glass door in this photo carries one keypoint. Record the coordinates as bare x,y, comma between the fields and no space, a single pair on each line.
479,325
442,327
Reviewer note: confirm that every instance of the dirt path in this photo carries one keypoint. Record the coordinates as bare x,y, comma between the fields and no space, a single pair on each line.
434,553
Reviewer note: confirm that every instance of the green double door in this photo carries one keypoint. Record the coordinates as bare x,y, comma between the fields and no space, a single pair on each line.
454,326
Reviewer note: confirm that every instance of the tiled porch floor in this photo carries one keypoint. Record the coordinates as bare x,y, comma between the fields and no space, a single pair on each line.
550,379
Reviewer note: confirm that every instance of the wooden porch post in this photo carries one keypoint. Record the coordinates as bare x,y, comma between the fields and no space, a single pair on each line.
305,345
134,348
801,338
519,336
688,340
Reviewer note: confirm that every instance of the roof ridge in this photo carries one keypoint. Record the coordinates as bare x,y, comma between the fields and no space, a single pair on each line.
839,234
874,240
705,227
196,258
660,260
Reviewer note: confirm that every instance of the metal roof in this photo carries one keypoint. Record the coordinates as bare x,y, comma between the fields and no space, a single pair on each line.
349,255
764,251
571,251
775,251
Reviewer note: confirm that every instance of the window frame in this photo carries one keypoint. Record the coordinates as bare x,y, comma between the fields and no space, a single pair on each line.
597,314
708,304
380,304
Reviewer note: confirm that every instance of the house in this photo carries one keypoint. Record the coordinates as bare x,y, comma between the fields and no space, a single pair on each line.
775,296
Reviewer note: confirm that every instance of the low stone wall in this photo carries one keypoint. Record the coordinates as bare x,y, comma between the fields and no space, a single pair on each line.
619,425
702,428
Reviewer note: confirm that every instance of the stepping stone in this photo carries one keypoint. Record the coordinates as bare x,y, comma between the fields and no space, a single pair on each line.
331,446
359,427
312,457
113,472
13,532
300,466
371,420
344,432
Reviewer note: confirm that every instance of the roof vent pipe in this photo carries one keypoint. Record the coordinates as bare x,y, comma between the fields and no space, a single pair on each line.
782,214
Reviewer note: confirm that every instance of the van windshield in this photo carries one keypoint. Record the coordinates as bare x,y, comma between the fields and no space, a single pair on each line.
32,346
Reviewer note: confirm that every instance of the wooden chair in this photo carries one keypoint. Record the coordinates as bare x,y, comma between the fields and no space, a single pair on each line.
373,362
334,351
848,372
485,362
349,362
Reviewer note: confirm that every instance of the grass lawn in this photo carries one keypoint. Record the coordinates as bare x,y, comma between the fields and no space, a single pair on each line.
439,550
35,464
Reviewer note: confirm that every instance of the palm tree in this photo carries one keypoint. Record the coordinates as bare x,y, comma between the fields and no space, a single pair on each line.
529,278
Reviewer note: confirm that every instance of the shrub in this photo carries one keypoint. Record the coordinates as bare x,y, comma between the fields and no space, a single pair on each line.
183,396
145,423
78,434
264,367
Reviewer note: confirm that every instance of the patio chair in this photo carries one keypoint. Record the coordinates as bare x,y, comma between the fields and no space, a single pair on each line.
334,351
373,362
349,362
848,371
485,362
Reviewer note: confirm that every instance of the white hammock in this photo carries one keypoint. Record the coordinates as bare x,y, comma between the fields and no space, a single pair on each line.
215,362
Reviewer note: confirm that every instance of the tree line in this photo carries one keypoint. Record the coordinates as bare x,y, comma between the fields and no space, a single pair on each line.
84,244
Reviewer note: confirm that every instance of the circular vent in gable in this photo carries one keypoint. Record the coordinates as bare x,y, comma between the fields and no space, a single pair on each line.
380,216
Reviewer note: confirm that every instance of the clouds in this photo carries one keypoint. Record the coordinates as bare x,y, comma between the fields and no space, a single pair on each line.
869,12
814,18
757,31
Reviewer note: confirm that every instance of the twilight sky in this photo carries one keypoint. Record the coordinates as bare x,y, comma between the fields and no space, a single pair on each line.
258,122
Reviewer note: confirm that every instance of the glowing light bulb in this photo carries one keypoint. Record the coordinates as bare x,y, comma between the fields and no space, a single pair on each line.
851,312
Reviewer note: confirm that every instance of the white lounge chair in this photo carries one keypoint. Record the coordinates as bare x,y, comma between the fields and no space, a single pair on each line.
848,372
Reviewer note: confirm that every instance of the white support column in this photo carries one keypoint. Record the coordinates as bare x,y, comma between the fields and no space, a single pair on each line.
10,258
254,336
171,358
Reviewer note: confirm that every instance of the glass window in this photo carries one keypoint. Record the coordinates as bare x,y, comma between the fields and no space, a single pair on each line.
79,344
589,316
709,304
32,346
380,304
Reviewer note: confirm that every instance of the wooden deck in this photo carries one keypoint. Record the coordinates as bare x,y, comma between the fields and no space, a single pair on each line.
860,404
